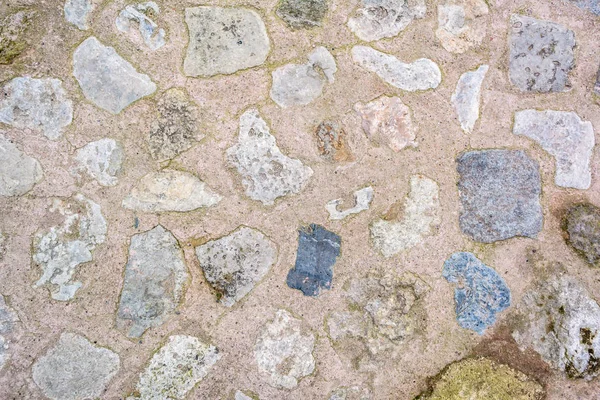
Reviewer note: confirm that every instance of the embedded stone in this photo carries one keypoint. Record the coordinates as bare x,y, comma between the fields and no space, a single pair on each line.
101,160
299,14
239,395
2,245
592,6
8,319
564,136
582,224
233,264
106,79
362,199
77,11
347,324
459,27
141,13
500,195
467,96
19,173
350,393
331,141
597,85
12,32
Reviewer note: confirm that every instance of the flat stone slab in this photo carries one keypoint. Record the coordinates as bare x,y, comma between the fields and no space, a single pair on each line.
467,96
101,160
301,14
582,224
362,200
500,195
378,19
8,319
19,173
140,13
460,25
77,11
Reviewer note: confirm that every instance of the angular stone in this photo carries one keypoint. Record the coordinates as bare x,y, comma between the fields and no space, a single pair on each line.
101,160
331,140
500,195
362,199
18,172
457,30
266,173
467,96
378,19
77,11
170,190
300,14
233,264
421,74
387,121
566,137
75,369
592,6
318,250
480,293
140,13
541,55
37,104
350,393
106,79
12,31
224,40
283,351
422,216
582,224
8,318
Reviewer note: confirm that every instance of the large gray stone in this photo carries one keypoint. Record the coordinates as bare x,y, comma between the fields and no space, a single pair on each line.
582,224
18,172
8,318
140,13
101,160
302,13
466,97
378,19
77,11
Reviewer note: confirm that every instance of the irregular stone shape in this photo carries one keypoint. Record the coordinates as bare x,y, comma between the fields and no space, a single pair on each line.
422,74
458,29
75,369
2,245
170,190
592,6
283,351
350,393
233,264
12,32
266,173
296,85
224,40
480,293
8,318
318,250
300,14
37,104
541,55
155,275
18,172
77,11
582,224
561,322
387,121
106,79
362,198
500,195
422,216
60,249
597,85
467,96
482,379
141,13
331,140
566,137
378,19
241,396
101,160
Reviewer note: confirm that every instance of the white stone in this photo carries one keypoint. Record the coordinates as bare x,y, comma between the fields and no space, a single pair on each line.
362,198
101,160
18,172
378,19
241,396
458,26
153,36
467,96
77,11
7,321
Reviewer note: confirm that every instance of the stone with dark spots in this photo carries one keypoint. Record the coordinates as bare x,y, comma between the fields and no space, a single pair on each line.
300,14
597,85
12,32
582,224
331,139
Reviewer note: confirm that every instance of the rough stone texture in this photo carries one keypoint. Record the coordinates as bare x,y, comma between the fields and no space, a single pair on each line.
541,55
3,240
101,160
170,190
582,224
77,11
597,85
37,104
422,216
500,195
566,137
241,396
378,19
480,293
592,6
233,264
421,74
459,28
106,79
362,199
12,35
155,276
467,96
387,121
75,369
299,14
141,13
8,318
18,172
331,141
62,248
350,393
266,173
283,351
318,250
224,40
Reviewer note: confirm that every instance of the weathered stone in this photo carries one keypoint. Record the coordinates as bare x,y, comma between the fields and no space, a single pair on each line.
582,224
283,351
101,160
480,293
378,19
60,249
541,55
566,137
233,264
331,140
318,250
7,321
75,369
467,96
239,395
597,85
224,40
457,29
387,121
347,324
300,84
266,173
592,6
106,79
422,74
141,13
77,11
362,198
422,216
12,32
350,393
3,240
170,190
37,104
18,172
300,14
500,195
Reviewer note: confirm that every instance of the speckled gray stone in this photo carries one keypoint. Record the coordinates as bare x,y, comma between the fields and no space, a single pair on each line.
378,19
77,11
101,160
18,172
582,223
300,14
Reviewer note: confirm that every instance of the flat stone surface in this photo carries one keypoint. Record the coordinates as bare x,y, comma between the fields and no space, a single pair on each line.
500,195
378,19
106,79
318,250
467,96
12,35
299,14
459,25
564,136
77,11
582,224
18,172
8,319
331,141
101,160
233,264
362,200
140,14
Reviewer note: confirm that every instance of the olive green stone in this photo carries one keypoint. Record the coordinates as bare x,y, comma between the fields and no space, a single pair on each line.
583,227
302,13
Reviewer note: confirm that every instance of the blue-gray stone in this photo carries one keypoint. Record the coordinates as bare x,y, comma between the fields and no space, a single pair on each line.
318,250
592,6
481,292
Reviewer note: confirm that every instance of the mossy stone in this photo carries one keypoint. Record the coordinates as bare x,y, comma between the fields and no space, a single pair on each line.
582,224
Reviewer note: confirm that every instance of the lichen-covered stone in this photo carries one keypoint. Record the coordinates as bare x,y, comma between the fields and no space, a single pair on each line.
582,224
350,393
12,31
8,318
300,14
233,264
466,97
459,25
101,160
362,199
75,369
77,11
500,195
142,14
18,172
378,19
331,141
